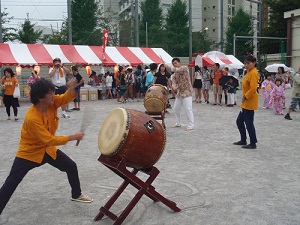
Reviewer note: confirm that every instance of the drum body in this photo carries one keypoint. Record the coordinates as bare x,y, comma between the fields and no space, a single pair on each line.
156,98
131,135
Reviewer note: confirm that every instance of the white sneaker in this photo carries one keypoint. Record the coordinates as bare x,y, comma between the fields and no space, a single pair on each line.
65,115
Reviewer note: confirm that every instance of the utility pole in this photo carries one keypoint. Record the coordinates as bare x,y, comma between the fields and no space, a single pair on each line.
222,25
69,22
1,39
132,23
190,34
137,30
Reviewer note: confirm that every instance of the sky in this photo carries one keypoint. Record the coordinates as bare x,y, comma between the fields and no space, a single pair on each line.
42,12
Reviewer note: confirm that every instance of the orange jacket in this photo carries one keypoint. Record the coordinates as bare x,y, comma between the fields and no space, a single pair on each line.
38,131
249,89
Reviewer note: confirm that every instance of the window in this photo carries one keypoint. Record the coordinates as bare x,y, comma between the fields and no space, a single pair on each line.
229,2
214,30
214,7
204,8
204,20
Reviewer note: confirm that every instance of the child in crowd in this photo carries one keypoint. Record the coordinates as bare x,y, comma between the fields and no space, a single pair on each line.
267,87
230,88
277,97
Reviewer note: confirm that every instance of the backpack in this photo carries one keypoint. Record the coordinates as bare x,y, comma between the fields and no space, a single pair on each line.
139,78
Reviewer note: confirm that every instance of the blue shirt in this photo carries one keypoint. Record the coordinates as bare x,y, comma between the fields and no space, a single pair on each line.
149,78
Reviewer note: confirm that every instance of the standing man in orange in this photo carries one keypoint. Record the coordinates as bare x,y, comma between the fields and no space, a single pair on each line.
38,141
58,75
217,88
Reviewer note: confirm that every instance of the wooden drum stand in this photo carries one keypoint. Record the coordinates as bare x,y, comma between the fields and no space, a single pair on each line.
159,116
144,187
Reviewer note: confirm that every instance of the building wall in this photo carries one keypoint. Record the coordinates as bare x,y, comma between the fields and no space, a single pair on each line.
295,34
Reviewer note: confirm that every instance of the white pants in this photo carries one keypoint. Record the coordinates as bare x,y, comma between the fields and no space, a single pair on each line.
186,103
231,98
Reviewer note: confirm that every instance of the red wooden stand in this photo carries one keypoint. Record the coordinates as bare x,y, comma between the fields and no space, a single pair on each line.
144,187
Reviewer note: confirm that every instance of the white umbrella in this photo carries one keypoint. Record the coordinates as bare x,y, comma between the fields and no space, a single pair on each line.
274,67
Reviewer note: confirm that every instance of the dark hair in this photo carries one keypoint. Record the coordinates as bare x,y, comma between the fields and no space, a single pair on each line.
74,68
197,68
217,65
161,65
40,89
226,68
153,66
250,58
139,67
175,59
268,75
34,71
278,79
205,67
56,60
9,70
120,68
282,69
146,67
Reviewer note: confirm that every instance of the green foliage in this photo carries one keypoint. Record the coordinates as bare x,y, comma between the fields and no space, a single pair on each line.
201,42
152,14
27,34
277,24
58,38
241,25
84,21
8,33
110,23
177,31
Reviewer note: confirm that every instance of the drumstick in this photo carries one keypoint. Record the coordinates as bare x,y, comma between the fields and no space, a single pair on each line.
84,123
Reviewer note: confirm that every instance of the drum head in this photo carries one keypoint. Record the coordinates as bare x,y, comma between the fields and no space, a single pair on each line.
113,131
154,105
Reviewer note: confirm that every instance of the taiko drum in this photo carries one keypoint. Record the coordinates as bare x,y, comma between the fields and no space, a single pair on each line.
156,98
133,136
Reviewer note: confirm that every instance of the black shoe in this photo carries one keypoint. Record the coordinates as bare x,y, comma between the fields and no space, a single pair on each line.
240,143
250,146
287,116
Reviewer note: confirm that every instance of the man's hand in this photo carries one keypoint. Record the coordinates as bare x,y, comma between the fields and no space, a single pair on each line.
77,136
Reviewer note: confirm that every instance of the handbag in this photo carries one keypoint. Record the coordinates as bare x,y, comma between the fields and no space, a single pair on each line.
1,92
288,86
16,93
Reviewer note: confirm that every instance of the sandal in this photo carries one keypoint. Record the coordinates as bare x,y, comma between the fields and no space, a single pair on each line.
189,129
83,198
176,125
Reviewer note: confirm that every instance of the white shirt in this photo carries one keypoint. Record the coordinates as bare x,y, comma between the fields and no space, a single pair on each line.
109,81
57,80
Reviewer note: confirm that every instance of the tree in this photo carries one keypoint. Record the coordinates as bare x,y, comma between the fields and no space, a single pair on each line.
177,31
109,20
241,25
277,23
151,13
8,33
27,34
84,22
58,38
201,42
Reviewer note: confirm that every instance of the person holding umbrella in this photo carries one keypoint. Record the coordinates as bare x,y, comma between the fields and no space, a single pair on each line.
245,119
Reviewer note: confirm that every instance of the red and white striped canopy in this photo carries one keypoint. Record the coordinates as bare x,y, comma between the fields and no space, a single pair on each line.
27,55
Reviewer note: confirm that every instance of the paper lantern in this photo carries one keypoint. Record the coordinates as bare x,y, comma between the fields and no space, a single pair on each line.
116,68
18,70
37,69
88,70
